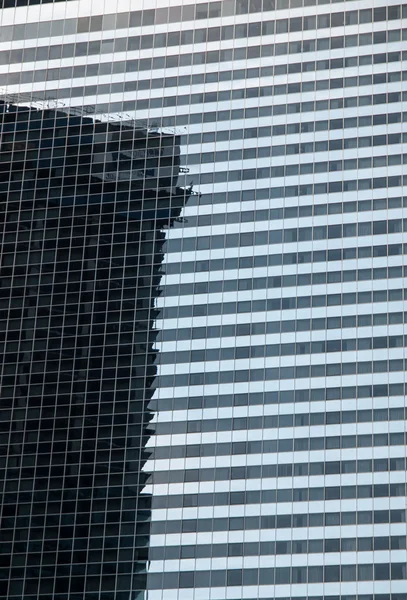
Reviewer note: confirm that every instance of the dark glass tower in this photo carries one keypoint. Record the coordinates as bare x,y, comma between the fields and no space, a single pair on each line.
83,208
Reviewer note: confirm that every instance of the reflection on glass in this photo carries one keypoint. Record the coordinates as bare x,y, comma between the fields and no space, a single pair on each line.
84,207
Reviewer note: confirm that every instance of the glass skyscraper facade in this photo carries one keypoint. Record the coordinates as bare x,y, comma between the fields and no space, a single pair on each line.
85,205
244,437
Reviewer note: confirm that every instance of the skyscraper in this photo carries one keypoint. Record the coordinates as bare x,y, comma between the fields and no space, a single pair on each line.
278,425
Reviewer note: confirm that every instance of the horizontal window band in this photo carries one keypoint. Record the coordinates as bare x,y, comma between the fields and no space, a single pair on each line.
277,576
296,547
273,397
285,349
288,521
297,445
283,373
270,548
270,422
293,191
295,234
277,281
311,494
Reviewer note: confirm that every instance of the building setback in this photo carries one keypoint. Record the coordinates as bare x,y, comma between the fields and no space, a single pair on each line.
277,449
